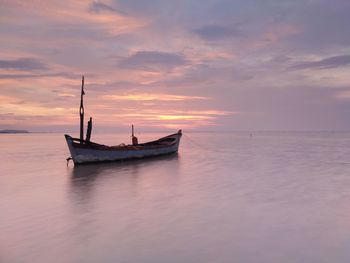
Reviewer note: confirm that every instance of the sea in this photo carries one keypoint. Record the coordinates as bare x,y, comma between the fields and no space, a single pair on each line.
235,197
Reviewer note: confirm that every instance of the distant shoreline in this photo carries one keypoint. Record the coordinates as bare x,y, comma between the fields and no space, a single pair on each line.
13,131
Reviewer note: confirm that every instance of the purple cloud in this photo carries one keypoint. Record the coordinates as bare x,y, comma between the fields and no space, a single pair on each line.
216,32
26,64
98,7
153,60
331,62
67,75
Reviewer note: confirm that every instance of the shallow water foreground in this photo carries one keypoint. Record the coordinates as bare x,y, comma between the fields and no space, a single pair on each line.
226,197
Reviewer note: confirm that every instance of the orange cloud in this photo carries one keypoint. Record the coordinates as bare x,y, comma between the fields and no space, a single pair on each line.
169,118
151,97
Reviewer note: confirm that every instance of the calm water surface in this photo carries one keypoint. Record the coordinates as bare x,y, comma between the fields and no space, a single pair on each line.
226,197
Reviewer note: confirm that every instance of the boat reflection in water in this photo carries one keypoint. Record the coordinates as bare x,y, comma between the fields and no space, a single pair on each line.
87,176
93,170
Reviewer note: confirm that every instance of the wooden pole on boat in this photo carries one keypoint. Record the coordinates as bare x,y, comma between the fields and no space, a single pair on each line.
133,138
89,128
81,111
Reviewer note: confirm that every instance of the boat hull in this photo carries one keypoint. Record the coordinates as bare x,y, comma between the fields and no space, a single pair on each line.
87,152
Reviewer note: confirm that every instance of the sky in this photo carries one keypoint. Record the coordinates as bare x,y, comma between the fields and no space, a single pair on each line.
203,65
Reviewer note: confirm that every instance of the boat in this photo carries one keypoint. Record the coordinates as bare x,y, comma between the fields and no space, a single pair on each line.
84,151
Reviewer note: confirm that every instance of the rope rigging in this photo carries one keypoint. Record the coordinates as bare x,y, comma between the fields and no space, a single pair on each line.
204,147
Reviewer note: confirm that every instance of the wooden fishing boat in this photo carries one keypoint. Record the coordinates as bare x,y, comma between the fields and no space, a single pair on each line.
84,151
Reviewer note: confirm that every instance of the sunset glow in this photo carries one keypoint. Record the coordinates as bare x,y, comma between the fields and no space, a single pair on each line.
199,64
151,97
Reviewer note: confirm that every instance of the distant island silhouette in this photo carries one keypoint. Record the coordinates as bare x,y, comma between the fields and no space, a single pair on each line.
14,131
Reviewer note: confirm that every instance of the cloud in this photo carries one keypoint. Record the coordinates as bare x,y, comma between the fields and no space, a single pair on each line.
99,7
6,116
216,32
168,118
26,64
331,62
152,97
153,60
67,75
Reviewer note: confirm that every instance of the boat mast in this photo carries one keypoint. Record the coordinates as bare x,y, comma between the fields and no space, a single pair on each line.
81,111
